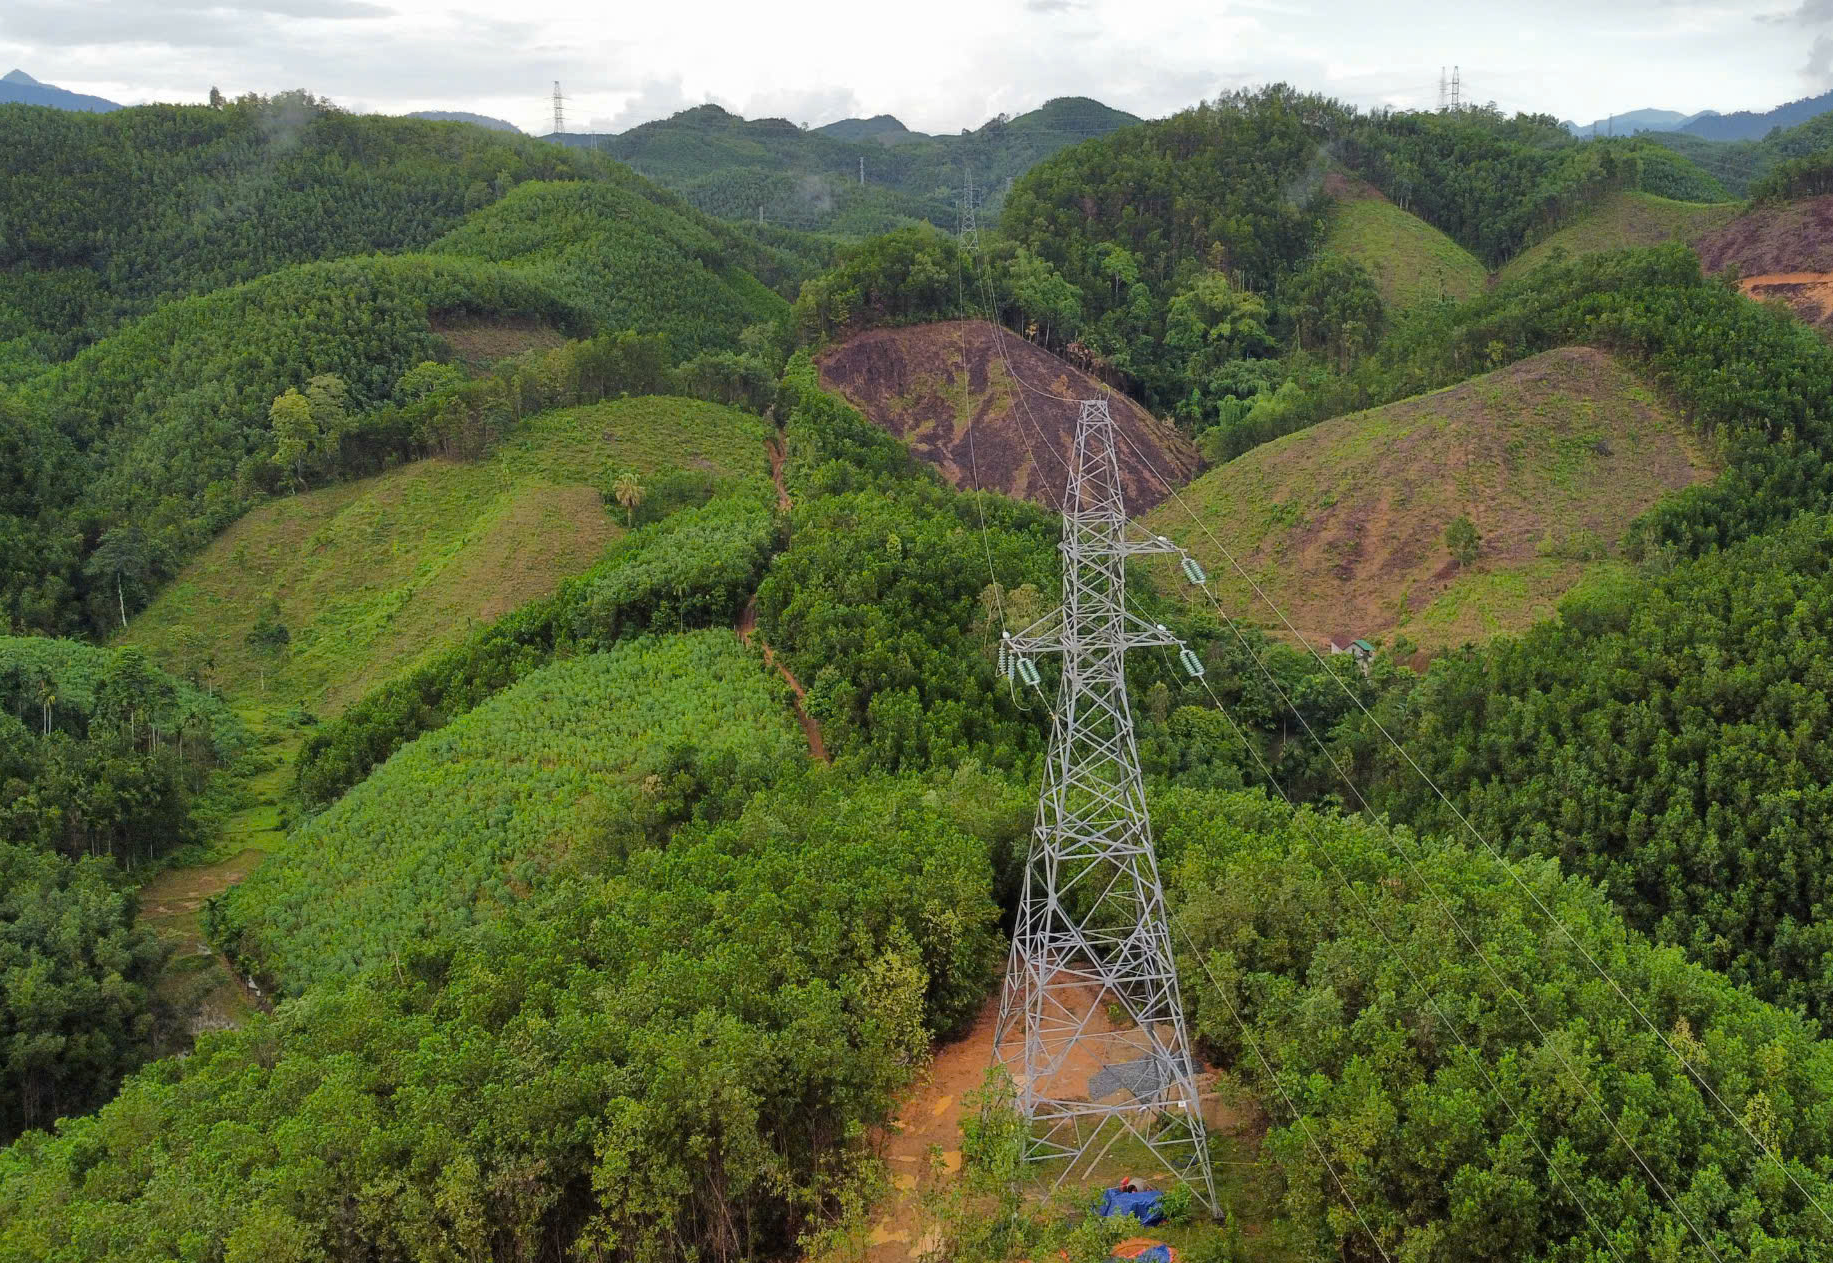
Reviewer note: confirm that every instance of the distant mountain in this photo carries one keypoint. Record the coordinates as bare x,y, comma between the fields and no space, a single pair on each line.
461,116
809,178
1636,121
1737,164
19,88
882,128
1745,125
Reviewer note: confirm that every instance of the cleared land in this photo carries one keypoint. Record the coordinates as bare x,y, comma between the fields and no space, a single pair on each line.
1623,220
370,575
912,383
1344,524
1412,262
1783,251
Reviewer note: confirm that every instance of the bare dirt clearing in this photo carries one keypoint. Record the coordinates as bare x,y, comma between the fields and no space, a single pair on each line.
976,402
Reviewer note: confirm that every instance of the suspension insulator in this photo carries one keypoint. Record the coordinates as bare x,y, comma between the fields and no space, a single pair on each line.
1192,663
1194,572
1028,670
1005,659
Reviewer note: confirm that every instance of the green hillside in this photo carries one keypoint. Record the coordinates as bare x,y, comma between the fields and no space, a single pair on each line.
164,424
809,179
1343,525
475,815
1739,164
370,575
104,215
628,880
625,260
1626,219
1410,260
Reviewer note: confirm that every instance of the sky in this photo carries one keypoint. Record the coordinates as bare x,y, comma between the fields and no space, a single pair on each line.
939,65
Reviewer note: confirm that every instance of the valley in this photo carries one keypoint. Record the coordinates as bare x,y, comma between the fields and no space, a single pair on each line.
512,746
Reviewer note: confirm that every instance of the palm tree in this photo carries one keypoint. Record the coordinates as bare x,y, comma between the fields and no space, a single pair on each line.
628,492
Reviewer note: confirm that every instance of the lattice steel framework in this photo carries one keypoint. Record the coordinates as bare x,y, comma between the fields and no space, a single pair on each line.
1091,1025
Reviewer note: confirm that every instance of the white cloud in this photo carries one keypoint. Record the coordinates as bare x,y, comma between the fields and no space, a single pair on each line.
965,60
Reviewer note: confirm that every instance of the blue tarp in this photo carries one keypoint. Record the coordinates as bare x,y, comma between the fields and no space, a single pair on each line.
1142,1206
1154,1254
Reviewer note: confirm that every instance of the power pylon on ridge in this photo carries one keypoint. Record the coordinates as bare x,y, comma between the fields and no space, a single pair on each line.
559,110
970,235
1091,1023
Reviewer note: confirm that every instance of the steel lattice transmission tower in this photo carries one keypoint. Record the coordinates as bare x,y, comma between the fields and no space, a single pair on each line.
969,233
1091,1024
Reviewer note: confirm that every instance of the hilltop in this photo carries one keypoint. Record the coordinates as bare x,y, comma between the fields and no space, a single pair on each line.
1621,220
1344,524
369,576
999,426
465,116
1411,261
882,128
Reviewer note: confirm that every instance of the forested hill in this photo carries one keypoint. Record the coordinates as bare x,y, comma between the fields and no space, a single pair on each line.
167,272
1740,164
809,178
1753,124
103,215
618,923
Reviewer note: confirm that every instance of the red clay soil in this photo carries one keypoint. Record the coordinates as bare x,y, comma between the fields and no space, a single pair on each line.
1783,251
1808,294
932,1116
911,382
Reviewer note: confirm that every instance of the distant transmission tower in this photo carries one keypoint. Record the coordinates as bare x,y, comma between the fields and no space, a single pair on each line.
1091,1024
969,234
559,109
1444,90
1457,90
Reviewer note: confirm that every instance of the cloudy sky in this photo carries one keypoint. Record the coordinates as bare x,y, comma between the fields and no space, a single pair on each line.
938,65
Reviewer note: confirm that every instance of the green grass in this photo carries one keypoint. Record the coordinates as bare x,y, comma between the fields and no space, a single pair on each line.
371,575
1412,262
1343,524
1622,220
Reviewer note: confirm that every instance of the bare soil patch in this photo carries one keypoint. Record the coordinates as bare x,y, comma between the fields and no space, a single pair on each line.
1790,237
1808,294
991,410
479,341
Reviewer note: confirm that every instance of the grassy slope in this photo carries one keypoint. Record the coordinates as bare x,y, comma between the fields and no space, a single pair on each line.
473,815
370,575
1411,261
1343,524
1625,219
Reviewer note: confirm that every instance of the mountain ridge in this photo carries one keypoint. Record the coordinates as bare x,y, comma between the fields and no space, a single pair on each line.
19,88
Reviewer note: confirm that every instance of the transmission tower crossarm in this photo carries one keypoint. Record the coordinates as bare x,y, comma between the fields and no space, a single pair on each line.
1047,635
